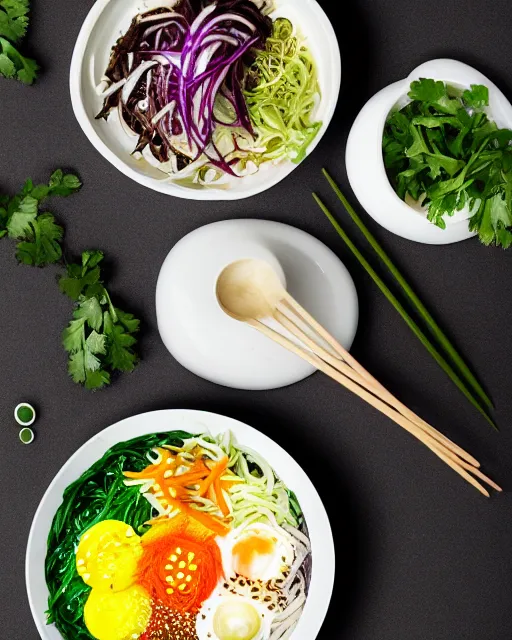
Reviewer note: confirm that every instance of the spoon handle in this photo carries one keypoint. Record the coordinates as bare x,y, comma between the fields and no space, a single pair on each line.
352,365
359,385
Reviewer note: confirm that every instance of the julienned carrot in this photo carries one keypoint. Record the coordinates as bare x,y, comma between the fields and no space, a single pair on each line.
215,473
220,497
205,519
150,471
175,491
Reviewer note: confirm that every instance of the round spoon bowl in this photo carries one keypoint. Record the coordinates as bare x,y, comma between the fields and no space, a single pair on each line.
249,290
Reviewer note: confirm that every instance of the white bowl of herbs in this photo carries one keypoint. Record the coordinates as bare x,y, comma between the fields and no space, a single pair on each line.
213,100
430,157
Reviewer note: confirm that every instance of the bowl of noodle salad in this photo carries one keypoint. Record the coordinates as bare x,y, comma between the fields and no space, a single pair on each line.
205,99
180,524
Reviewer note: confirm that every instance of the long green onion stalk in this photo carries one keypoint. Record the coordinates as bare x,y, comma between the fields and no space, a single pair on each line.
460,382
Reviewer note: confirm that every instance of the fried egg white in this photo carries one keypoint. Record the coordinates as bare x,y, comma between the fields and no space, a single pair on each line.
232,617
257,551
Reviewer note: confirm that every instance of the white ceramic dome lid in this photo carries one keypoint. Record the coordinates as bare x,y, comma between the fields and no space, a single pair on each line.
214,346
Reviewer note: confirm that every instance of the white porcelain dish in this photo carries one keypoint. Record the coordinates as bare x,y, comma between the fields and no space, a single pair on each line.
322,576
109,19
214,346
365,165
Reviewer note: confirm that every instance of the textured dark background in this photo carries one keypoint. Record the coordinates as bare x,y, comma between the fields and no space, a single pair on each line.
420,555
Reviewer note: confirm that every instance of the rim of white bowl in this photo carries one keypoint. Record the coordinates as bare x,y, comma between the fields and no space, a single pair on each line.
441,69
167,187
319,528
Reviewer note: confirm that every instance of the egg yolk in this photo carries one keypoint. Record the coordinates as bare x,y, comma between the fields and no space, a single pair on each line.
107,556
236,621
253,553
117,615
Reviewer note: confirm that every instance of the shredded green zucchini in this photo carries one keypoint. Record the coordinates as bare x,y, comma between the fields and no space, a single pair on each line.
281,93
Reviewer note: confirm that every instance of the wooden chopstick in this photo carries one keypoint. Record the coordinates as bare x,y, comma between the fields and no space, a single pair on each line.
391,413
306,317
454,451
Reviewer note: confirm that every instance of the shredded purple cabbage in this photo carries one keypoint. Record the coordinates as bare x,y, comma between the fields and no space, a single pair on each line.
167,71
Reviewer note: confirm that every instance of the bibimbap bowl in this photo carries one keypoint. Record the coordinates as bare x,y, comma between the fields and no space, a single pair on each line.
205,100
181,520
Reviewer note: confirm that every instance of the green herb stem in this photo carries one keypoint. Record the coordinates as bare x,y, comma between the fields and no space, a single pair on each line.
422,310
406,317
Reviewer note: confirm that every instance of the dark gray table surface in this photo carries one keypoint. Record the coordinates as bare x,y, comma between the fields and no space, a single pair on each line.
420,555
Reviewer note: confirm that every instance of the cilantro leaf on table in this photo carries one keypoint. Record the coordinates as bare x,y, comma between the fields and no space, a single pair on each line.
13,27
82,275
90,310
14,65
39,236
99,339
442,149
42,245
13,19
18,224
120,355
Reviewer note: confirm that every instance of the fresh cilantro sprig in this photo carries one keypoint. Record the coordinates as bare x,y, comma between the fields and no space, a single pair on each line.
442,148
37,234
100,337
13,27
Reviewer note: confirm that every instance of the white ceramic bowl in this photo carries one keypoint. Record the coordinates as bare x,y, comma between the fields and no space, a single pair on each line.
365,164
322,576
109,19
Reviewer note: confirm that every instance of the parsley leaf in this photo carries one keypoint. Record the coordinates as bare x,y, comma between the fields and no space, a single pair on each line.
43,244
477,97
427,90
13,19
90,310
81,276
120,355
14,65
97,379
434,93
18,225
38,234
63,184
99,338
7,67
76,367
443,149
73,336
13,27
